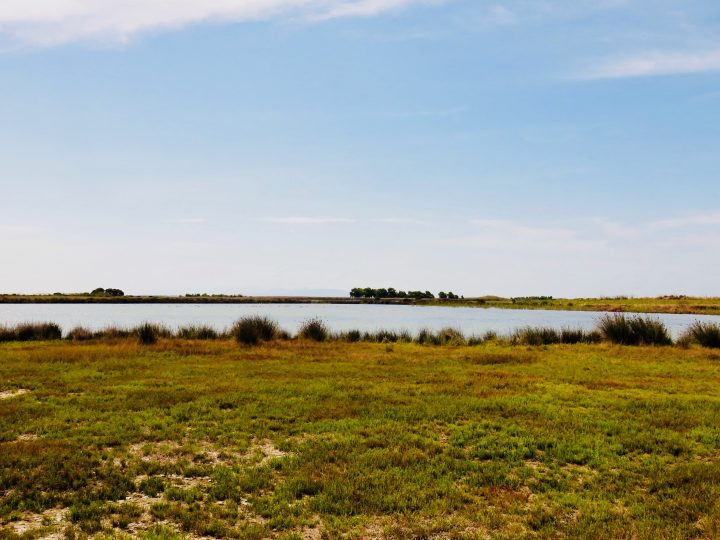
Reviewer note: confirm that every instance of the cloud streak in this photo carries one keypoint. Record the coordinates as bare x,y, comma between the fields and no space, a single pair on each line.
52,22
656,64
307,220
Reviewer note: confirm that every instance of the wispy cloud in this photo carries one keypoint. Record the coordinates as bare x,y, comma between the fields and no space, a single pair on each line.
366,8
50,22
681,223
653,64
400,221
306,220
185,221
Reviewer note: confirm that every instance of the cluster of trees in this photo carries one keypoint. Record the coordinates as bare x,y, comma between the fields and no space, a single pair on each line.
369,292
448,295
107,292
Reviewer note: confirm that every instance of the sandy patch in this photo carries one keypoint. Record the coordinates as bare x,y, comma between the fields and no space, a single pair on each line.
31,522
7,394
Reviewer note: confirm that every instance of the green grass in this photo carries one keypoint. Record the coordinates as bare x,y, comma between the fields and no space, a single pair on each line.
300,439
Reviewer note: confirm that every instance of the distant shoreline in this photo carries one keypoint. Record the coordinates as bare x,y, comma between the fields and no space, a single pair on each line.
664,304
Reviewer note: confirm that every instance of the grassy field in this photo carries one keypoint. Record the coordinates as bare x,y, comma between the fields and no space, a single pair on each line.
296,439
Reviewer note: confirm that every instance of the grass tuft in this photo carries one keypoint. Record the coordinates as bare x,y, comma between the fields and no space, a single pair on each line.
703,333
314,329
42,331
623,330
535,336
148,333
201,331
80,333
255,329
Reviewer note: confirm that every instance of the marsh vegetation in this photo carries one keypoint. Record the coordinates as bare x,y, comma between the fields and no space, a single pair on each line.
381,438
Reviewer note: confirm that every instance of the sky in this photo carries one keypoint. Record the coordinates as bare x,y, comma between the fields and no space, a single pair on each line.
526,147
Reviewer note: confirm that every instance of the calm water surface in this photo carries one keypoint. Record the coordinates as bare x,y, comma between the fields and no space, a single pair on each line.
338,317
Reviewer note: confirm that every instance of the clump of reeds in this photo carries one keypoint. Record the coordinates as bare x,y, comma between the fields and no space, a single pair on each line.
487,337
706,334
7,334
351,336
314,329
80,333
451,336
115,332
572,336
31,332
637,330
148,333
427,337
254,329
197,332
445,336
535,336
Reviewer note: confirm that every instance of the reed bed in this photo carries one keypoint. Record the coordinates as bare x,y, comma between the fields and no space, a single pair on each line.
617,329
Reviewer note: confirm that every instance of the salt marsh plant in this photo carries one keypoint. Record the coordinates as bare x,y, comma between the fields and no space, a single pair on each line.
703,333
147,334
197,332
624,330
80,333
351,336
254,329
535,336
31,332
314,329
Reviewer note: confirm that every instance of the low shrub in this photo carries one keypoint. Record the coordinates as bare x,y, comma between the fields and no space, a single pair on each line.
314,329
254,329
706,334
637,330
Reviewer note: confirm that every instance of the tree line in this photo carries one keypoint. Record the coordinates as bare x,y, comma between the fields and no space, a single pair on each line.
390,292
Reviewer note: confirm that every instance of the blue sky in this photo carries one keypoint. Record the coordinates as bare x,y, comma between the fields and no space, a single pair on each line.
275,146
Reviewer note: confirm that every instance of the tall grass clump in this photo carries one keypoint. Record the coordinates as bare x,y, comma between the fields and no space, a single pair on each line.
427,337
451,336
445,336
254,329
80,333
7,334
535,336
314,329
572,336
148,333
351,336
624,330
31,332
197,332
115,332
706,334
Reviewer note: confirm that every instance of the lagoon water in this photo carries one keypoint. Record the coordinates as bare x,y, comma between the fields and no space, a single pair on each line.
337,316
